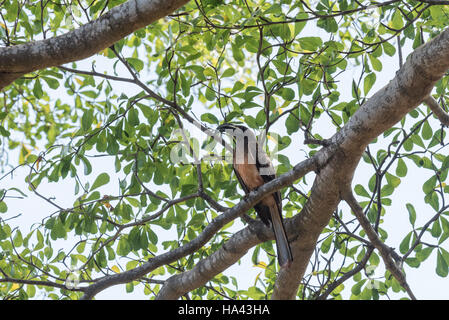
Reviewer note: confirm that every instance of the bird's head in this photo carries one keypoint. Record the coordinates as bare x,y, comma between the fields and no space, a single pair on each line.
231,128
239,133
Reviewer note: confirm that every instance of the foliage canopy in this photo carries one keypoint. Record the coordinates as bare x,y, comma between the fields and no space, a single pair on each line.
105,128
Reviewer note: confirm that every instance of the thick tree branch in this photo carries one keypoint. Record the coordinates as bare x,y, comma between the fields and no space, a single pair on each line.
220,260
84,42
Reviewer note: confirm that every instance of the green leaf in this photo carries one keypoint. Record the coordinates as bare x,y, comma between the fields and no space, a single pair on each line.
18,240
424,253
152,236
101,180
123,247
427,131
301,24
368,82
3,207
405,243
411,213
4,132
436,229
133,117
360,190
397,21
87,165
377,65
429,185
401,169
442,266
445,164
392,180
135,63
288,94
357,288
325,246
292,124
37,89
389,49
209,118
237,87
310,43
228,72
87,119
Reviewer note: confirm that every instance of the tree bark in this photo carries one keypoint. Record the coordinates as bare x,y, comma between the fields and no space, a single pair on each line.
120,21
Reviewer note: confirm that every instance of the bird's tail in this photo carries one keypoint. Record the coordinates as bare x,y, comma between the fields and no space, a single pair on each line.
284,252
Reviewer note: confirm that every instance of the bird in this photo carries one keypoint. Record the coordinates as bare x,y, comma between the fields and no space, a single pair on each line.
253,168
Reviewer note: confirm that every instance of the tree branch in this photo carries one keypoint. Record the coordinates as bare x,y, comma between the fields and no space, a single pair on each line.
220,260
392,261
83,42
437,110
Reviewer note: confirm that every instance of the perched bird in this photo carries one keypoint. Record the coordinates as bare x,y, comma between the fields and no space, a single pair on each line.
253,168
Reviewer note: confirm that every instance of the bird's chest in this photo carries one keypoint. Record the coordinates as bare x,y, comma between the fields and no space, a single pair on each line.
249,174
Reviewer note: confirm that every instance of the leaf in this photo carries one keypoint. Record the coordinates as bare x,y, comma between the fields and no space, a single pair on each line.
401,169
209,118
4,132
325,246
115,269
368,82
237,87
101,180
429,185
389,49
3,207
301,24
442,266
360,190
135,63
357,288
376,64
427,131
411,213
87,119
288,94
397,22
152,236
37,89
436,229
392,180
424,253
87,165
445,164
405,243
292,124
310,43
228,72
133,117
445,226
123,247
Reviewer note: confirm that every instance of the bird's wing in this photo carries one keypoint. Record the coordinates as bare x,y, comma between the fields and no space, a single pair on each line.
242,183
268,173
